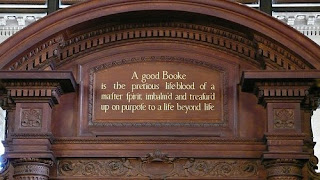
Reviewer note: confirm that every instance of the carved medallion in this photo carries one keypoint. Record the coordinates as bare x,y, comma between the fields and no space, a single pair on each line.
31,117
283,118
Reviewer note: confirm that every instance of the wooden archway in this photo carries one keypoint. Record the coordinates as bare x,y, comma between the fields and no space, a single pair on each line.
232,89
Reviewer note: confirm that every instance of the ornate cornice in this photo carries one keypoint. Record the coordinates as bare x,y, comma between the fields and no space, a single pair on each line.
280,85
45,53
213,36
259,51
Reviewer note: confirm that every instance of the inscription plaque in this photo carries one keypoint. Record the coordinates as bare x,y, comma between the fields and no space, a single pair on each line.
157,92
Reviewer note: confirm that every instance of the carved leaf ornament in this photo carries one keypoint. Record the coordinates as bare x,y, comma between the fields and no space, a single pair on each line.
158,165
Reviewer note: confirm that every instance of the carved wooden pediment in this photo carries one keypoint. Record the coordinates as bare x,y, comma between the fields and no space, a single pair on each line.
183,89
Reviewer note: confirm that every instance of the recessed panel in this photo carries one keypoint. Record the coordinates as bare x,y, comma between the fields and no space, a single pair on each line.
156,92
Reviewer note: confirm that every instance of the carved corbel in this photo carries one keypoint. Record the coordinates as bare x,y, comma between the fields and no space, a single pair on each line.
312,166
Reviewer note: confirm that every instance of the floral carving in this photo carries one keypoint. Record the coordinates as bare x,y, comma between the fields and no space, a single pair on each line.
283,118
92,167
158,165
220,168
31,117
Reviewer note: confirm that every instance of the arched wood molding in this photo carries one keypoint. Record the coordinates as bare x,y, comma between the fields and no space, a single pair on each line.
274,49
258,51
261,41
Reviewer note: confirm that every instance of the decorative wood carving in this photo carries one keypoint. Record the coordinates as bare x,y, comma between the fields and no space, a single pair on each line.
6,169
287,85
31,117
158,166
284,169
273,55
24,85
39,56
283,118
312,166
277,57
218,35
32,97
214,36
31,168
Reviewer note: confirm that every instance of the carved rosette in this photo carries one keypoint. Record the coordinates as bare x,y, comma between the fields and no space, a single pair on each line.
31,169
284,169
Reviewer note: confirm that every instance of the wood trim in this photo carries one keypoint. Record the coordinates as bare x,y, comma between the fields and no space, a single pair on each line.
246,16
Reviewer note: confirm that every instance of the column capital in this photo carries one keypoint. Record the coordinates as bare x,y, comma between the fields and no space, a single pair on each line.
281,169
31,168
280,86
39,87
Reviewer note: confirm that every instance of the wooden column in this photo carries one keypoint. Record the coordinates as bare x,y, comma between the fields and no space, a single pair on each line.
29,98
283,94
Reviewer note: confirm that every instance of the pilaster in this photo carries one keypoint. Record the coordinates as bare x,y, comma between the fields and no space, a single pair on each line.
29,98
285,96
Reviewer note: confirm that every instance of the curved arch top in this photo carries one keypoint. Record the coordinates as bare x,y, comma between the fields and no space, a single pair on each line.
236,13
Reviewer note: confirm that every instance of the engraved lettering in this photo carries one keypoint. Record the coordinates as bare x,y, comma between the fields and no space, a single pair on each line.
149,93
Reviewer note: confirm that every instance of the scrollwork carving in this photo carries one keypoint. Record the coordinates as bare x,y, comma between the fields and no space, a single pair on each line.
283,118
158,165
31,117
312,166
93,168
